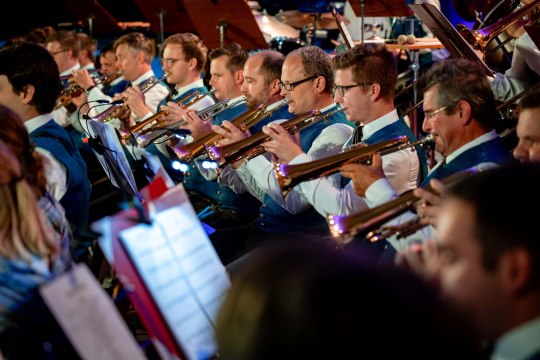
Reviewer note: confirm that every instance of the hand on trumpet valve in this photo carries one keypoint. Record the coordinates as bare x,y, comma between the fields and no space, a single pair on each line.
82,78
428,207
229,133
134,98
362,175
198,127
283,145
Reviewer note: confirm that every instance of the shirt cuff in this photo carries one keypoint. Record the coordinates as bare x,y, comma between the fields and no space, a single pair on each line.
380,192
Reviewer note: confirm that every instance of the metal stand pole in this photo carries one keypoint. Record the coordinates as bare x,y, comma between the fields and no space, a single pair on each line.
362,22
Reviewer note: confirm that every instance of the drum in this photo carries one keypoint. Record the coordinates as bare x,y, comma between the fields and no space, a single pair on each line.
285,45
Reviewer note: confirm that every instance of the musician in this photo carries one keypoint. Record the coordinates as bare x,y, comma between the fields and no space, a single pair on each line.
108,61
525,68
485,257
220,205
30,87
459,109
134,53
365,80
88,48
527,150
65,47
306,82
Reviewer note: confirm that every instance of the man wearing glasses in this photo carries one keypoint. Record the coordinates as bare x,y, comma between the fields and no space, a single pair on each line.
306,83
460,114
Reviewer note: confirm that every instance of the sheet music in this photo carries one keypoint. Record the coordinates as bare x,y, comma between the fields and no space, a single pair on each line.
113,160
89,318
184,275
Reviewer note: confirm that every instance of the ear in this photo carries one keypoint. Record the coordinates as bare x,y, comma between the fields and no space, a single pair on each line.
192,64
320,84
515,270
239,77
464,111
274,87
375,92
27,94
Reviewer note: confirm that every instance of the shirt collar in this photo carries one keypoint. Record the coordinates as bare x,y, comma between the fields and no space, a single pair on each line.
378,124
479,140
519,343
196,84
70,70
147,75
37,122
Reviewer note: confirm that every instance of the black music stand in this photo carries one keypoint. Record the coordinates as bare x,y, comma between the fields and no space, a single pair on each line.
443,30
373,8
220,22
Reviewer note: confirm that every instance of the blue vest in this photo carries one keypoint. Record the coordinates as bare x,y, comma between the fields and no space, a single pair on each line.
175,175
398,128
492,151
218,194
273,217
229,114
76,202
111,90
222,195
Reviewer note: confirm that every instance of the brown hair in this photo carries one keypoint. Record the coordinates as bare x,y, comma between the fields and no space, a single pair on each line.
192,46
237,56
137,42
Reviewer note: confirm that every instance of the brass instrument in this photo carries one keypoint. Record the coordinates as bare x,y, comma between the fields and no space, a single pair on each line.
346,227
155,120
479,39
189,151
288,176
245,121
251,146
73,89
123,110
163,131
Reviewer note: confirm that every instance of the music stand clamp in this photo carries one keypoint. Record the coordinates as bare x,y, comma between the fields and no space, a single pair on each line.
219,22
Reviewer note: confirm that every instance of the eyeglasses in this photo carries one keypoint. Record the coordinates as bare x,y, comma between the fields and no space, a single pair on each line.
430,114
341,90
56,52
291,86
169,62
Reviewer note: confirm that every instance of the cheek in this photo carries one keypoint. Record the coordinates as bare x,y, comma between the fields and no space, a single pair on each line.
534,154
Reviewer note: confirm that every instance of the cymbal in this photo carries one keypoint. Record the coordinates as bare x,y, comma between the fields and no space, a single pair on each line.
323,21
271,28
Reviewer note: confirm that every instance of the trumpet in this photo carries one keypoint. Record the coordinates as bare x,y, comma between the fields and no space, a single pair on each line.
155,120
191,150
251,146
345,228
73,89
123,110
479,39
163,131
288,176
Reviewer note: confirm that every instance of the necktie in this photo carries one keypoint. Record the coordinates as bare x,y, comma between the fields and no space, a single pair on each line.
357,135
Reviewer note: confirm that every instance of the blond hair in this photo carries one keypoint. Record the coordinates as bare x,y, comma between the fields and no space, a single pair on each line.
23,231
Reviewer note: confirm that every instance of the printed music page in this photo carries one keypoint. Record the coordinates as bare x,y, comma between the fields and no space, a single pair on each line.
89,318
183,274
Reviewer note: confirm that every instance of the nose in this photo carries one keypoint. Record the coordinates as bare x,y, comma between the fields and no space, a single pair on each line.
520,153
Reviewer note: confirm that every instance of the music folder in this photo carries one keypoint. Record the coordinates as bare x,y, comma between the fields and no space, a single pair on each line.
170,270
443,30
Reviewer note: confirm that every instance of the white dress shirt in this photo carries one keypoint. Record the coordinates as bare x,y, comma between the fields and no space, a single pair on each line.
55,172
327,196
525,66
259,177
519,343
